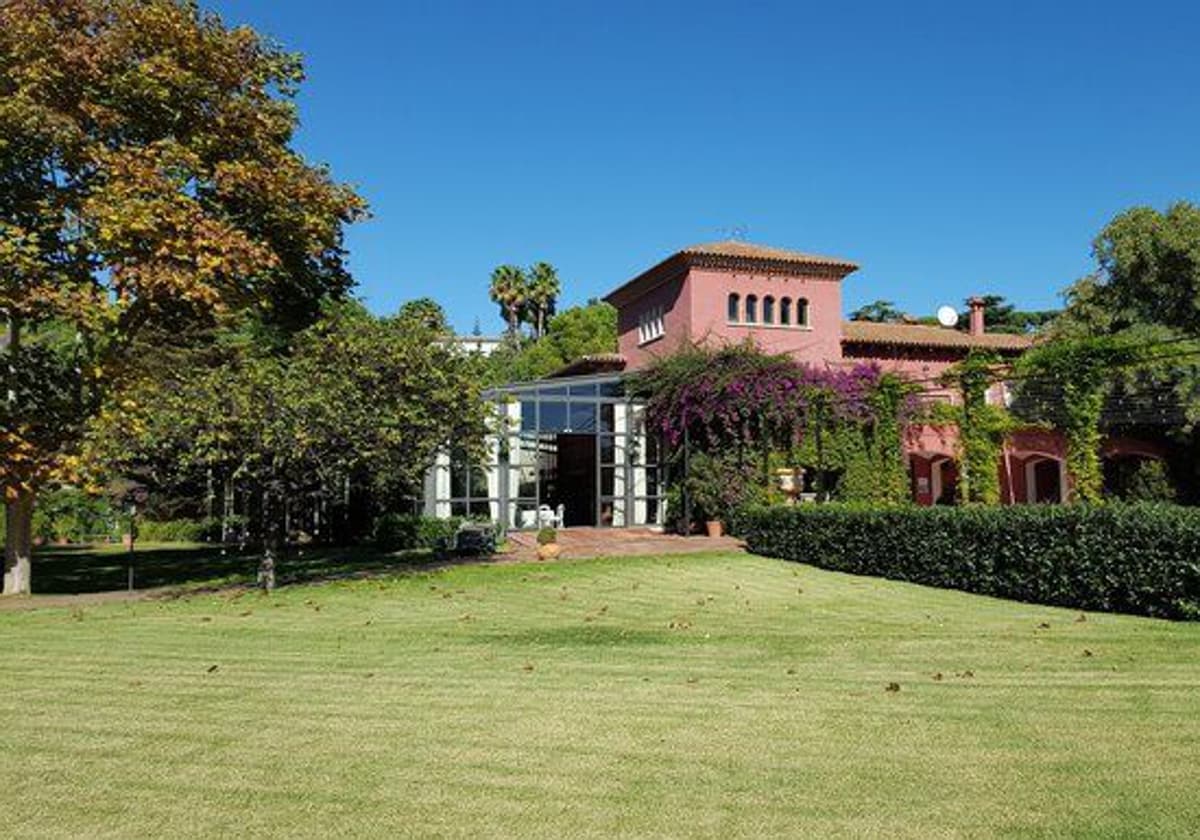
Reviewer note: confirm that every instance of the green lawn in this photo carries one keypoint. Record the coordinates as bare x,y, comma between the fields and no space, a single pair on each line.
706,696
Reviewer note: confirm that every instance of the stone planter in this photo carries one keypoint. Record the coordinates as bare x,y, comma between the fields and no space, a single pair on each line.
549,551
715,528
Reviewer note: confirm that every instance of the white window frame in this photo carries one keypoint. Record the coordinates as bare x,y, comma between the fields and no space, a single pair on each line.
651,324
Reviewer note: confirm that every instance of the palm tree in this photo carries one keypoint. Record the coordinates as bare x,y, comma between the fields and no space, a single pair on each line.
510,289
544,287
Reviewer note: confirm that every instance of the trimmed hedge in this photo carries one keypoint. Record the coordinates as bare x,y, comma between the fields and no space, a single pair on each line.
1142,559
177,530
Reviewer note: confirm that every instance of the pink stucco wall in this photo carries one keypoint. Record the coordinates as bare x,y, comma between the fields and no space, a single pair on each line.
697,306
674,297
817,343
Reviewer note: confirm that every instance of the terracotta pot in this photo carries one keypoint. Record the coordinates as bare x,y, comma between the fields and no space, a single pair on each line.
549,551
715,528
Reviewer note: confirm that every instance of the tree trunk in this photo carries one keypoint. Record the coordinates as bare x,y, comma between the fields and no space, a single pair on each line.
18,547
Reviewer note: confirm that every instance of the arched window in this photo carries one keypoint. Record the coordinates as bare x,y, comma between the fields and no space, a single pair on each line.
751,309
785,311
768,310
802,312
733,313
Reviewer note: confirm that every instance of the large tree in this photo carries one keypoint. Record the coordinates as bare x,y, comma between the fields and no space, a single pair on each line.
572,333
354,399
1149,264
147,180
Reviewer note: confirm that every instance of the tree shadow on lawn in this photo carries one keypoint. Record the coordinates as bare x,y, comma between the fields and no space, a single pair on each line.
75,570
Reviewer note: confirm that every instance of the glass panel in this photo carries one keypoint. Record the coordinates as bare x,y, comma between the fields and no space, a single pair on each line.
479,483
785,311
584,390
528,416
583,417
458,479
525,514
751,309
612,389
645,481
458,508
612,513
647,512
525,467
553,391
652,453
481,508
802,313
768,310
732,314
608,481
554,417
548,466
608,449
607,418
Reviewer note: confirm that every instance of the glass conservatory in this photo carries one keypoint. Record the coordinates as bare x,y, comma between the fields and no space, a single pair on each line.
565,452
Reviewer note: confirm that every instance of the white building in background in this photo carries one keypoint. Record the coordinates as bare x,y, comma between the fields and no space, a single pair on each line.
484,345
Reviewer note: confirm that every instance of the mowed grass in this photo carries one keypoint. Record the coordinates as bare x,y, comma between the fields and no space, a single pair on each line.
704,696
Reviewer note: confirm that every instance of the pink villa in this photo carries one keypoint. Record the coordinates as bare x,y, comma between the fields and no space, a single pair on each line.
575,450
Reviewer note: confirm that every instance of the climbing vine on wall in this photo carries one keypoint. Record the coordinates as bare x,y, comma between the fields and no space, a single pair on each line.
738,398
1066,383
982,427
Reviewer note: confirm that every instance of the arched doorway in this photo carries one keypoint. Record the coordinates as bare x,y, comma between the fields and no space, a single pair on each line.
1045,480
934,478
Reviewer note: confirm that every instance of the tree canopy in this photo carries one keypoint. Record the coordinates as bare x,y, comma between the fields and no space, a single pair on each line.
571,334
147,179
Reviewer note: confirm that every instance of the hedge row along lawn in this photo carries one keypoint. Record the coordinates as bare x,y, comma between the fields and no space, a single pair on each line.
1141,559
708,696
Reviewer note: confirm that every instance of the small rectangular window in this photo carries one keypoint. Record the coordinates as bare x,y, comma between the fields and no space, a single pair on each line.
651,324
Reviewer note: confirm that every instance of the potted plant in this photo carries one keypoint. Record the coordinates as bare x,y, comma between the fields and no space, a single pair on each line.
713,489
548,547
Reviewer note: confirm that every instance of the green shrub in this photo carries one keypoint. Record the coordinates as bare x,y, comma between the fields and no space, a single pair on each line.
1142,559
1138,480
407,531
546,536
70,515
176,530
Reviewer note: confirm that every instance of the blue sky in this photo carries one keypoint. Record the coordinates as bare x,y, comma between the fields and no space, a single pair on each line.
949,148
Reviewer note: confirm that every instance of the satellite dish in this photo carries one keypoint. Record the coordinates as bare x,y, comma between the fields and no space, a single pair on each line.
947,316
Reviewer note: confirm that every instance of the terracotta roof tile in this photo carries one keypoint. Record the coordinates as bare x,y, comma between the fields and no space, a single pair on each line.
919,335
749,251
594,363
731,254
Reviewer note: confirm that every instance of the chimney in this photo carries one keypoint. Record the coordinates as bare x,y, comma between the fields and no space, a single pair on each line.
976,322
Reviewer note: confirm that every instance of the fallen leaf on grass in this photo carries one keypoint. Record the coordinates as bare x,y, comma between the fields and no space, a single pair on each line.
1087,652
1082,618
212,668
528,666
937,677
892,687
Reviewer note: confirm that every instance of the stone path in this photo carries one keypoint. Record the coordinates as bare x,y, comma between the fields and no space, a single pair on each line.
617,542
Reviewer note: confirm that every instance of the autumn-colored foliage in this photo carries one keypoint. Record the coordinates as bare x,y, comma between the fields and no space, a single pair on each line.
146,179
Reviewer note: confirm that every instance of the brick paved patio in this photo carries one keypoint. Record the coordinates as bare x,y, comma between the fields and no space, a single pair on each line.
618,542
